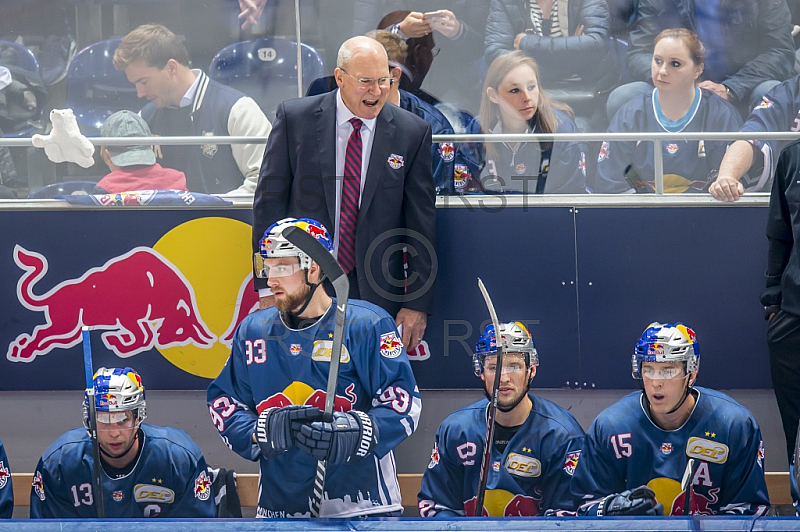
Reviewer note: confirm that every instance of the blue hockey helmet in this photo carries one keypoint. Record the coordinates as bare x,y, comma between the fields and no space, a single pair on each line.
670,342
515,338
116,390
273,244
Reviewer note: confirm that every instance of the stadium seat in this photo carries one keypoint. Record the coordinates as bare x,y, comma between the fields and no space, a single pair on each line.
266,70
63,189
95,89
13,54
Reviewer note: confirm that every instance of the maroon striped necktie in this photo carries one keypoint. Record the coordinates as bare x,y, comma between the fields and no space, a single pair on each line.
351,189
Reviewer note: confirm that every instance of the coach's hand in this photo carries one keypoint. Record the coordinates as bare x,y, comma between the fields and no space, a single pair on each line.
274,427
640,501
350,435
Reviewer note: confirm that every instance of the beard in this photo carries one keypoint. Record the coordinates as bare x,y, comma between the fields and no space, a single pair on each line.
292,301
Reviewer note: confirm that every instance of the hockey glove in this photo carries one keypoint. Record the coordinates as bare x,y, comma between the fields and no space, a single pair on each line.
640,501
350,435
274,427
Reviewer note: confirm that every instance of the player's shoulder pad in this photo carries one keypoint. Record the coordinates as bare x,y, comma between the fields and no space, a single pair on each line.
71,445
358,309
723,404
629,405
471,415
173,438
556,414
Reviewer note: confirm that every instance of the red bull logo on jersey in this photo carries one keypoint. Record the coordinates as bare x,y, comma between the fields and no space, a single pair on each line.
766,103
523,466
140,299
605,151
699,505
434,457
707,450
520,168
296,349
672,148
300,393
571,462
323,349
502,503
655,349
117,496
153,493
4,475
38,487
390,345
666,448
202,486
582,164
759,458
461,175
446,151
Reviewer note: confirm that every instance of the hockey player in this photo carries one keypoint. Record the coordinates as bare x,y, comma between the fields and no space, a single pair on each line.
675,105
148,471
674,437
536,442
276,378
6,489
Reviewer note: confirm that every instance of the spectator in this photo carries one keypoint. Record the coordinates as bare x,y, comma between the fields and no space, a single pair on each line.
147,471
185,101
513,101
698,449
133,167
395,206
749,165
540,437
568,39
442,154
267,407
675,105
781,297
6,487
421,50
748,46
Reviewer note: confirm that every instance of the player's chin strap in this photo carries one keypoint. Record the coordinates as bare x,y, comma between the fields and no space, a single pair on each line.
313,287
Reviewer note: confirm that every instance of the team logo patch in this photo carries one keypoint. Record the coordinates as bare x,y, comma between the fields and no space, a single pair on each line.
322,350
117,496
523,466
571,462
766,103
202,487
655,349
396,161
446,151
434,457
209,150
672,148
4,475
38,486
582,164
496,466
707,450
151,493
520,169
666,448
760,457
391,346
605,151
461,175
295,349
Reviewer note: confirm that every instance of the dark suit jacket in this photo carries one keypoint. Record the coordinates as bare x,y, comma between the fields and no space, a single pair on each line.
297,179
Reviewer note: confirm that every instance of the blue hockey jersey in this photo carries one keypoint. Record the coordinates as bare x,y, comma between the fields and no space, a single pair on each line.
6,489
522,167
531,476
442,153
170,479
625,449
689,166
271,366
779,110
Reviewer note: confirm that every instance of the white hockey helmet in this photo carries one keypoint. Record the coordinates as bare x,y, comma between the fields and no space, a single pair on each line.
116,390
670,342
273,244
515,338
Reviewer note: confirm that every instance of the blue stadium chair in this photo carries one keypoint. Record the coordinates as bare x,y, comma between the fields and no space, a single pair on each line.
95,89
63,189
266,70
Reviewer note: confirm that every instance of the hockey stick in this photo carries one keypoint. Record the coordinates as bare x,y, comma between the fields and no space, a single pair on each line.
490,418
686,485
97,468
341,285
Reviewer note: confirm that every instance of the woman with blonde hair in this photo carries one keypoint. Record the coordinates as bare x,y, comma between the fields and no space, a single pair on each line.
514,102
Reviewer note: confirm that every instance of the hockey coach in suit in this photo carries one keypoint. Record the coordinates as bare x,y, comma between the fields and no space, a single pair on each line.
389,204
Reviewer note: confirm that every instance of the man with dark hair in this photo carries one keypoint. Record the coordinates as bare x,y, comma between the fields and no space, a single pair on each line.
185,101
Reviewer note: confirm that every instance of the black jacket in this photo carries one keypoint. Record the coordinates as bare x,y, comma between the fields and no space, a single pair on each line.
559,58
758,39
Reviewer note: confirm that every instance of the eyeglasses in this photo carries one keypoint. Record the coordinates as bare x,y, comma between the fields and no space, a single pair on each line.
366,83
116,420
662,373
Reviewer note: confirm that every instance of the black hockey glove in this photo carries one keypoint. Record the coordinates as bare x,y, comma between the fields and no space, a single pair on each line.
350,435
274,427
640,501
